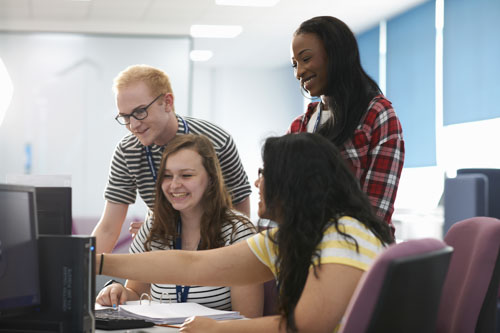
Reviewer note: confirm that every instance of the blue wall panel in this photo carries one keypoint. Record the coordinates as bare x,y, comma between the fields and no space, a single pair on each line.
368,43
411,81
471,60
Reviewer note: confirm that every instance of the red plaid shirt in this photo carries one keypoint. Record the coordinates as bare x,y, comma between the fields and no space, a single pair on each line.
375,153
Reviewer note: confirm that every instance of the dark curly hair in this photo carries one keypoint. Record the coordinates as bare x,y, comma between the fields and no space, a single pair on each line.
216,200
349,89
307,188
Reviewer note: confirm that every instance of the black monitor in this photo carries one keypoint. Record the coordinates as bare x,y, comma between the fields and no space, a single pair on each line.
54,210
19,275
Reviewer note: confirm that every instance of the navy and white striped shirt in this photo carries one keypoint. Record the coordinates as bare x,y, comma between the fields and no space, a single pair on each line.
130,171
212,297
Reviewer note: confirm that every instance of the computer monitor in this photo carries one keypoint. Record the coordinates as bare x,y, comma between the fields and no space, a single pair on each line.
54,210
19,274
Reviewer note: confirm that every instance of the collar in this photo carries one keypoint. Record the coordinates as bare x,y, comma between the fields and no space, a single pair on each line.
181,128
311,107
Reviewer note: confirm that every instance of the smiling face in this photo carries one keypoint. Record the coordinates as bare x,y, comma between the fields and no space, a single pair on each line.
155,127
310,61
185,181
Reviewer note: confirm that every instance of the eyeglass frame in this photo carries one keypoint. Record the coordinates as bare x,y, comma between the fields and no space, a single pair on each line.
133,113
260,172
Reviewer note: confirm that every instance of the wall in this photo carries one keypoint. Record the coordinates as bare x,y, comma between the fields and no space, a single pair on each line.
250,103
442,69
64,109
63,106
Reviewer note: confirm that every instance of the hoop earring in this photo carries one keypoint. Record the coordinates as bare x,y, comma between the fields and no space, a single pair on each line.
304,93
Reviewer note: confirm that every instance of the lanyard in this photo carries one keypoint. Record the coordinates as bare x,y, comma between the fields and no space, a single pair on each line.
318,119
149,154
180,292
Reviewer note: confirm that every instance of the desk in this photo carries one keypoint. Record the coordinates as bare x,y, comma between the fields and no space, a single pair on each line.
154,329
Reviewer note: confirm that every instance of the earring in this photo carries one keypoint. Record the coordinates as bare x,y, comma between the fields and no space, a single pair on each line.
305,93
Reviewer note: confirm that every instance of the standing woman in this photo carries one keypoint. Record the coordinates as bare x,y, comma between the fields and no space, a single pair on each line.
352,113
192,211
326,238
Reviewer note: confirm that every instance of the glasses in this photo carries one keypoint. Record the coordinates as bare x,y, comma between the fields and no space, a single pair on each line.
138,113
260,172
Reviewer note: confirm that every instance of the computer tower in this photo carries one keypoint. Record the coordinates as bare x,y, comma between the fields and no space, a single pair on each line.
67,283
67,265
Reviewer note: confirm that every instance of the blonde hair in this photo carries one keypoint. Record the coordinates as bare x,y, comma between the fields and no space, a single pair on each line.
155,79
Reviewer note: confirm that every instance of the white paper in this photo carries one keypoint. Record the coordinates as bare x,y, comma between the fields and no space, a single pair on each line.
173,313
98,307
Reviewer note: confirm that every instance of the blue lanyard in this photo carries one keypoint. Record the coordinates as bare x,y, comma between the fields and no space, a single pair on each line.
149,154
151,164
186,127
318,119
180,292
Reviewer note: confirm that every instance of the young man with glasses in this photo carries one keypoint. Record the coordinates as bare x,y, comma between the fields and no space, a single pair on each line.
145,103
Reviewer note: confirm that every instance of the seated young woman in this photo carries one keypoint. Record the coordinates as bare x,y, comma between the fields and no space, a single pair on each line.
192,212
327,236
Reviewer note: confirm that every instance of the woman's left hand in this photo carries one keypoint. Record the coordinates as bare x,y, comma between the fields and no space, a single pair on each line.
199,324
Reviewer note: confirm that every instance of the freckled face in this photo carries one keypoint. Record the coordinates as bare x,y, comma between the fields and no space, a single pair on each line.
185,180
310,61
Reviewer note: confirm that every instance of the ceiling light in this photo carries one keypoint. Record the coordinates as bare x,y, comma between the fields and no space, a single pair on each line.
215,31
200,55
249,3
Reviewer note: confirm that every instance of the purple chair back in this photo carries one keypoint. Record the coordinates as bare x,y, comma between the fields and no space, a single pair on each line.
270,291
401,290
468,302
270,298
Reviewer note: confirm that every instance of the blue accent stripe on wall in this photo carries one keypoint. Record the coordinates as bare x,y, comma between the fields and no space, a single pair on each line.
368,43
411,81
471,60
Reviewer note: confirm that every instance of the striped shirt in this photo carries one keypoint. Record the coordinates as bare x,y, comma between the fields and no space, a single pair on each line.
334,248
130,173
213,297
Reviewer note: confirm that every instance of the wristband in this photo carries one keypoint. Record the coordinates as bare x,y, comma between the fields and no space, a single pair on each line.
102,261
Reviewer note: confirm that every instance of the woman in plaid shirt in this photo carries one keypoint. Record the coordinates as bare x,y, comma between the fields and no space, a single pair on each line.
352,112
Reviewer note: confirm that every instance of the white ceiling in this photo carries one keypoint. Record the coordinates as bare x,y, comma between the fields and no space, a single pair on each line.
266,32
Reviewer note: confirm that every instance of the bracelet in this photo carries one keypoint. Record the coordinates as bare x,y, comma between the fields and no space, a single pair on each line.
102,261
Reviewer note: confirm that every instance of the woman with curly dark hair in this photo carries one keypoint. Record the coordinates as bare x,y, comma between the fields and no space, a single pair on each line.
352,111
192,211
327,236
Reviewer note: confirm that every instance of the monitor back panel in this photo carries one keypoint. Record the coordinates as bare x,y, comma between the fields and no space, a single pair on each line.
54,210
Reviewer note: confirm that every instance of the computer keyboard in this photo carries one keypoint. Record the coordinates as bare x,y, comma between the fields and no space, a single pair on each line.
110,319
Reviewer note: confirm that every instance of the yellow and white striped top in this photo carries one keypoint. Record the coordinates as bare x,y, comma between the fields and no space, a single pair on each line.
335,249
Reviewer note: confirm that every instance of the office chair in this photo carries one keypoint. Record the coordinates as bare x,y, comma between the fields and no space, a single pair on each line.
465,196
401,291
270,298
469,298
493,176
493,199
270,288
